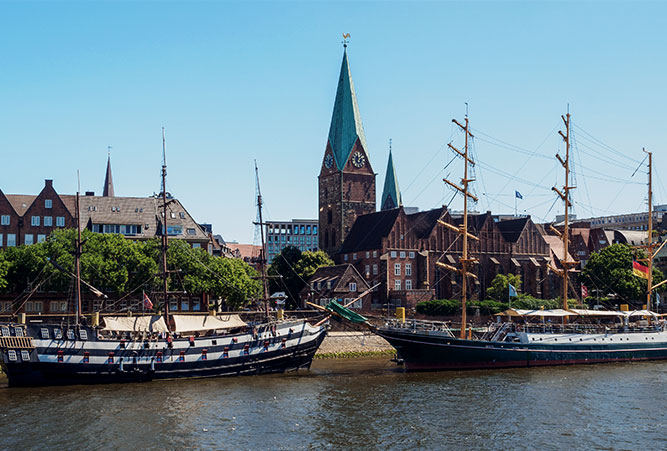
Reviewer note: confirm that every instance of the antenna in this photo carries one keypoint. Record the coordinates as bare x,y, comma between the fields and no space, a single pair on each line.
466,103
164,162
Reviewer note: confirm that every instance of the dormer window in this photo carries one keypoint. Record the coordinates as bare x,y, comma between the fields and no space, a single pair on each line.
181,215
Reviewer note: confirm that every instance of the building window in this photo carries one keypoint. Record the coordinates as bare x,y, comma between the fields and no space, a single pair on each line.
48,221
353,286
307,230
393,254
402,254
408,284
397,269
412,255
368,269
196,245
196,305
11,239
28,238
174,230
34,221
375,254
191,232
354,256
48,203
345,257
4,220
41,237
173,304
1,239
185,305
181,215
397,284
368,254
375,270
408,270
314,230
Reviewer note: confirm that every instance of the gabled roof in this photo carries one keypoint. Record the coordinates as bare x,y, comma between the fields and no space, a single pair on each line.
368,231
475,221
107,191
346,124
20,202
391,195
511,228
423,222
333,274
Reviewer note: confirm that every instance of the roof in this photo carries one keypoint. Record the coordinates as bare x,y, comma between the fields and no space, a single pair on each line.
511,229
325,274
423,222
346,124
475,221
21,202
368,230
107,191
245,250
391,195
556,246
143,211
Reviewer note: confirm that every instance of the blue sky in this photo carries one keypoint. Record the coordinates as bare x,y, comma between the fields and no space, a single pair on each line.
233,82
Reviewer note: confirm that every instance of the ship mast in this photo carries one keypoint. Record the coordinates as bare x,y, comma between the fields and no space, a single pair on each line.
262,257
649,241
165,240
77,258
565,196
465,260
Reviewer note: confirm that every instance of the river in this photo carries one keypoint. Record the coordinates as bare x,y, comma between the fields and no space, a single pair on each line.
353,404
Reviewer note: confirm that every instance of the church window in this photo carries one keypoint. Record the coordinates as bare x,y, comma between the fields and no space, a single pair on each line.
329,217
326,239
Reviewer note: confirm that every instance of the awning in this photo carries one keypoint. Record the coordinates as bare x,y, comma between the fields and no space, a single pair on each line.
196,323
640,313
521,312
153,323
534,261
494,260
516,262
583,312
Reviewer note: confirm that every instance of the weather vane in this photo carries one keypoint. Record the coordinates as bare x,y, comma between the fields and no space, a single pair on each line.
346,36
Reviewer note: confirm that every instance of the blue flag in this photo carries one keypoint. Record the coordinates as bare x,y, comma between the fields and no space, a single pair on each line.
518,195
513,292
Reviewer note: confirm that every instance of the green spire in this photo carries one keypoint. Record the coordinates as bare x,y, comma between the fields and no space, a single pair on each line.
346,124
391,195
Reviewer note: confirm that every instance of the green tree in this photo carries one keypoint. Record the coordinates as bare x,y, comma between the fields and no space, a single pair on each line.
292,268
499,289
610,272
4,269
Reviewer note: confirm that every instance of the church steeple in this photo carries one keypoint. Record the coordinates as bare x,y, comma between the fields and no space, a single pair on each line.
346,126
391,195
108,179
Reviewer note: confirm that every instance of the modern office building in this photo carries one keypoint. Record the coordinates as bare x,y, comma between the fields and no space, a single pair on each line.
300,233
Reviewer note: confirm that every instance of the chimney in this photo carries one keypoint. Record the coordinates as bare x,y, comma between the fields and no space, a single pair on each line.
90,193
48,183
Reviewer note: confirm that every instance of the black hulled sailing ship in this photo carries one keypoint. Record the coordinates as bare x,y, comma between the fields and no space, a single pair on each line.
425,345
144,348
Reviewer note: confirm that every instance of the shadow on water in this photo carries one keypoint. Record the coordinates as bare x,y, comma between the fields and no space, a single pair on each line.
352,403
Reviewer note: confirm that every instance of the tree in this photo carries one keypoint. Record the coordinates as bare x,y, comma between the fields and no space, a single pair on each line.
4,269
610,272
499,289
291,269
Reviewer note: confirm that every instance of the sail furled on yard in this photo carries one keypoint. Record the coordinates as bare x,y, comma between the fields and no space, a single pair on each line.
335,307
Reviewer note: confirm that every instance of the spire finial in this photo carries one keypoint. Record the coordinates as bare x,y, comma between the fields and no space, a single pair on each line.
389,145
346,36
109,151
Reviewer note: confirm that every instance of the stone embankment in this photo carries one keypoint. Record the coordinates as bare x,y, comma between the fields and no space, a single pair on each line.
353,344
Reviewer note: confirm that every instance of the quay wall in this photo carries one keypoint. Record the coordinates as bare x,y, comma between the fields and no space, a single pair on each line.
343,344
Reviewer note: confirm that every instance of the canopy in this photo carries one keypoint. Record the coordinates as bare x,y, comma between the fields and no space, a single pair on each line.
196,323
346,313
521,312
153,323
640,313
584,312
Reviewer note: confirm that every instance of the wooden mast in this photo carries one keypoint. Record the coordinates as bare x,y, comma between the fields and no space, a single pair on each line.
77,259
165,241
565,196
465,260
649,241
262,257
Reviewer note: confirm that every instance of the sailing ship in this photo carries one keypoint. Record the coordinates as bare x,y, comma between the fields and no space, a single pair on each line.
151,347
423,345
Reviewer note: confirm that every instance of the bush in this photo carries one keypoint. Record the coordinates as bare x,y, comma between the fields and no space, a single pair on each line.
527,302
488,307
439,307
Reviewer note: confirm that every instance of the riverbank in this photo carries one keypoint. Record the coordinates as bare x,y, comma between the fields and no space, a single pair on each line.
353,344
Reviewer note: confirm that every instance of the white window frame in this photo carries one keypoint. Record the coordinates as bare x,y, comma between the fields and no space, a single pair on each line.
411,254
48,221
48,203
397,269
1,237
5,220
408,284
11,240
375,269
402,254
397,284
353,287
41,237
408,269
34,221
393,254
60,221
375,254
354,256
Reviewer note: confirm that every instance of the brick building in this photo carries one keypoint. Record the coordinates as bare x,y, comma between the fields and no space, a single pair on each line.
346,181
342,283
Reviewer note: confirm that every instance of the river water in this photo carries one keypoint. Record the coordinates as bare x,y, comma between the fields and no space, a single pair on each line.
353,404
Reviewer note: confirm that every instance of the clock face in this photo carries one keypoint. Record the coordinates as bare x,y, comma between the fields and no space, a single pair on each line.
328,161
358,159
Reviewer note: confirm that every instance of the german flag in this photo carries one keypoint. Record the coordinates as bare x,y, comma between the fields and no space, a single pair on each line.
639,270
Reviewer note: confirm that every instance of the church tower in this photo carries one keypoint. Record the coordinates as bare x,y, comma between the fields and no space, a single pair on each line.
391,195
346,180
107,190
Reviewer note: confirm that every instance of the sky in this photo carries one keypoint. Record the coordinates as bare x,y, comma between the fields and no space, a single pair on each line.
235,82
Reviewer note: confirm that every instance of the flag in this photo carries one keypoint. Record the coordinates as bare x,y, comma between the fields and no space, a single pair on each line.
518,195
657,299
512,290
639,270
148,305
584,291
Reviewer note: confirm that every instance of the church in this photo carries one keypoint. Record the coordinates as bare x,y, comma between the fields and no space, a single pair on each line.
396,249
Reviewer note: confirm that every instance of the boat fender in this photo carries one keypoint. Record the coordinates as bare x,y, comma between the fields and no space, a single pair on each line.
120,366
246,349
152,364
159,357
235,340
110,361
283,344
192,341
225,352
204,354
266,345
273,330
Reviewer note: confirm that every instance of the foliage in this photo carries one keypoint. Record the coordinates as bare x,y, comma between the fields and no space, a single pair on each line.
439,307
488,307
610,272
4,269
526,302
292,268
499,288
